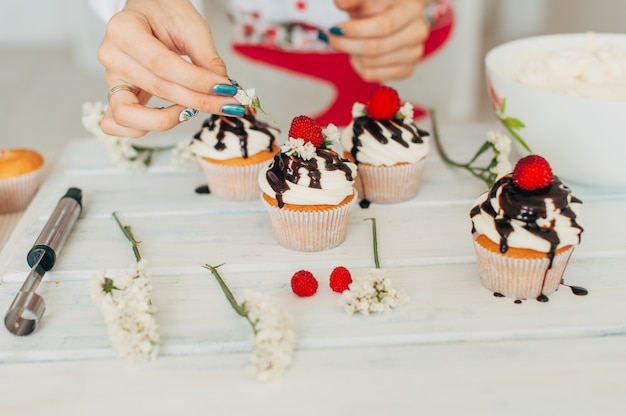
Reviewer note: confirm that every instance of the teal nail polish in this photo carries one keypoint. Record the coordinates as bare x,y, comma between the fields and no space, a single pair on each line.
186,114
323,37
224,90
233,110
336,31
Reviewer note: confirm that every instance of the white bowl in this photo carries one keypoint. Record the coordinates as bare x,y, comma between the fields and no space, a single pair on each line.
583,139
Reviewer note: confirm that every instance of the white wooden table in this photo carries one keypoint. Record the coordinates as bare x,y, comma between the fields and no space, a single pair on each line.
454,349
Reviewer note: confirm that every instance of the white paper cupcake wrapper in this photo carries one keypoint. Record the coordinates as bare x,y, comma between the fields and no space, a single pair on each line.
17,192
390,184
233,183
310,230
520,278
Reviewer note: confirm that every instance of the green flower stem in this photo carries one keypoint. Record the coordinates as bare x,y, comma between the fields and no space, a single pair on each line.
240,309
516,136
477,172
375,240
129,235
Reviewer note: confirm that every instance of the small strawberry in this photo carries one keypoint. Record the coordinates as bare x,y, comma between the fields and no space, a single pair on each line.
340,279
384,103
303,127
532,172
303,283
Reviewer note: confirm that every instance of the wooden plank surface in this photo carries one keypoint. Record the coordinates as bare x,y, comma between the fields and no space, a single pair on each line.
424,245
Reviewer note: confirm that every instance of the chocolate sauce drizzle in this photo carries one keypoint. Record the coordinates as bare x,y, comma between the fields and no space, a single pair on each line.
285,169
376,129
236,126
528,207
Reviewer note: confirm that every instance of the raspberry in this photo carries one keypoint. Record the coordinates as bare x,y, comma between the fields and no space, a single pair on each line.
532,172
303,283
340,279
303,127
384,104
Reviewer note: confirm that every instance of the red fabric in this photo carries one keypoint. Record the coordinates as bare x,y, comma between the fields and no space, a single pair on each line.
334,68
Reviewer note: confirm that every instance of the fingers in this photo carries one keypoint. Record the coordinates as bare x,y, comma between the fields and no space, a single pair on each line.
150,65
385,46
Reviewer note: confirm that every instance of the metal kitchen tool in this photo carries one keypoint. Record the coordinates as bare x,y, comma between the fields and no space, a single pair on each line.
28,307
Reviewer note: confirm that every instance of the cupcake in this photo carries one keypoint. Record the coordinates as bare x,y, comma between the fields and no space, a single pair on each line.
308,189
20,177
525,228
388,148
232,151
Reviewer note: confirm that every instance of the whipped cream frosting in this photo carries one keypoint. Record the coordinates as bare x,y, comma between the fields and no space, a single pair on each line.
543,220
324,179
595,69
384,142
223,137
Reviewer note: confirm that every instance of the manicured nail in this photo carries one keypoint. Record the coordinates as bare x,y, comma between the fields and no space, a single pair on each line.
322,36
186,114
224,90
233,110
336,31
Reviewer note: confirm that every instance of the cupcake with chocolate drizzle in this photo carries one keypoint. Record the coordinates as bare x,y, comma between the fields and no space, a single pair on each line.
388,148
308,189
524,229
232,151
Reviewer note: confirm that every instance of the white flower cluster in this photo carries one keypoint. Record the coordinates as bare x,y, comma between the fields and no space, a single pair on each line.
128,312
358,110
273,340
374,293
246,97
183,156
299,148
120,150
502,146
331,133
407,112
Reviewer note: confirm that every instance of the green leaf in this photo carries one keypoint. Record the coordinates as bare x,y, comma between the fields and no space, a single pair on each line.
513,123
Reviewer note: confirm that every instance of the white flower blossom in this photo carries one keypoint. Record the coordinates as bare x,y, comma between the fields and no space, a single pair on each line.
246,97
407,112
183,156
373,293
128,312
502,146
358,110
331,133
273,338
299,148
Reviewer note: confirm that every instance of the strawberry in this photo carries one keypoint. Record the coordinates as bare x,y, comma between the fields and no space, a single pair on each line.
303,283
384,103
340,279
303,127
532,172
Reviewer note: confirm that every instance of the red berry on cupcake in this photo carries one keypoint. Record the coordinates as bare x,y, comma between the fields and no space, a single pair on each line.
340,279
307,129
532,172
303,283
384,103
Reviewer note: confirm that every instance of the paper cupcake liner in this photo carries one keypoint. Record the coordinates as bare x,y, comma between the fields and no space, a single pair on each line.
233,183
310,230
390,184
520,278
17,192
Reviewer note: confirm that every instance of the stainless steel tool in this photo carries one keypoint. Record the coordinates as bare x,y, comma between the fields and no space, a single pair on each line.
28,307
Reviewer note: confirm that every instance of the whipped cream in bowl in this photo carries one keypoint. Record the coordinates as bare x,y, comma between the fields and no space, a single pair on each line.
564,95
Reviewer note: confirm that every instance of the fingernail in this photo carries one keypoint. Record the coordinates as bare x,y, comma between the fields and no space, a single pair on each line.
186,114
224,90
233,110
336,31
323,37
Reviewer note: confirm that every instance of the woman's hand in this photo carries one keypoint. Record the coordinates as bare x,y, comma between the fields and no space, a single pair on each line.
143,49
383,37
